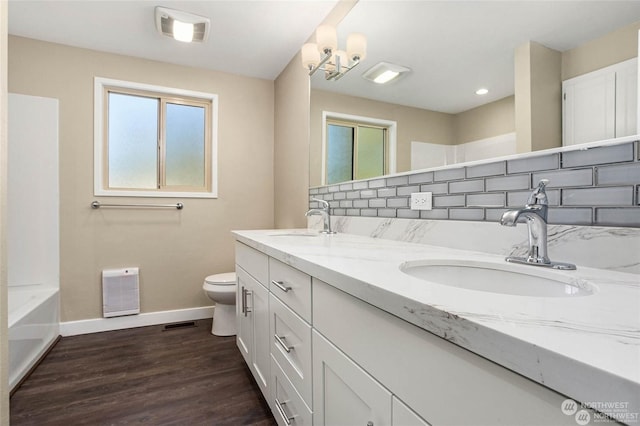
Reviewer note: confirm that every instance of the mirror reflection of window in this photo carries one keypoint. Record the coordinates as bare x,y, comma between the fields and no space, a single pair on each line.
355,151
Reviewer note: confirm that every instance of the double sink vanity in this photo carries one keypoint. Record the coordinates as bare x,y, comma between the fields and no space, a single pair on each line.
353,330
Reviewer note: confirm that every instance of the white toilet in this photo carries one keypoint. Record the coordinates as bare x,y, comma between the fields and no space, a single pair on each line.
221,288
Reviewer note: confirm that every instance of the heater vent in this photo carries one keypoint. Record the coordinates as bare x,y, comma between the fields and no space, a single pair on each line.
120,292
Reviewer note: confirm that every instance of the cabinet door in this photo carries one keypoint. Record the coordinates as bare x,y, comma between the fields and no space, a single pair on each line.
589,108
343,393
627,98
244,319
252,316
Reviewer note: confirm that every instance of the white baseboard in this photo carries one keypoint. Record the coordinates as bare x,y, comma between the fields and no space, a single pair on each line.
96,325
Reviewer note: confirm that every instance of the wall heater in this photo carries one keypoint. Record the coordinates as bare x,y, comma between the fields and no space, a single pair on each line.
120,292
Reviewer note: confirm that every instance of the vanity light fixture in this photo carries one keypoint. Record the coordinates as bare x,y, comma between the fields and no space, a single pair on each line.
324,54
182,26
482,91
384,72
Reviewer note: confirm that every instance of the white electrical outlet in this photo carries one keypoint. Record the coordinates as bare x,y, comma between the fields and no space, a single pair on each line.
421,200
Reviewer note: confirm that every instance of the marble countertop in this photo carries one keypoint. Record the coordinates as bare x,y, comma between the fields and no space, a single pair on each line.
585,347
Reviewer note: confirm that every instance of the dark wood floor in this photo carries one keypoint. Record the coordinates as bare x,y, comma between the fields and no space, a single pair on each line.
182,376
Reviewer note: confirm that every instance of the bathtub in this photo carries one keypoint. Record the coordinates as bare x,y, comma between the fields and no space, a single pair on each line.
34,326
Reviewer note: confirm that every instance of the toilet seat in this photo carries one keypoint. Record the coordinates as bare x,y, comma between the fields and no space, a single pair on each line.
227,278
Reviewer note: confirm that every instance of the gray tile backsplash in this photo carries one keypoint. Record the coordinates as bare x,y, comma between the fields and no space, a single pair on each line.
600,155
543,162
595,186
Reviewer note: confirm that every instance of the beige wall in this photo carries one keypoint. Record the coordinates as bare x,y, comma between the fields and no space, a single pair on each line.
546,98
538,97
492,119
610,49
4,353
174,249
291,160
414,124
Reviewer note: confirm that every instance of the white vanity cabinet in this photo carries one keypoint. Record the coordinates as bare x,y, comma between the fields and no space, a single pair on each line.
274,332
252,313
324,357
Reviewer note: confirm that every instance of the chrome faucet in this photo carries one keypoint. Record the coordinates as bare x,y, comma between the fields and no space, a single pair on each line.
534,214
324,212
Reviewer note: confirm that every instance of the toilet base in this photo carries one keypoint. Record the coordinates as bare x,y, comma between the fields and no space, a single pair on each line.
224,320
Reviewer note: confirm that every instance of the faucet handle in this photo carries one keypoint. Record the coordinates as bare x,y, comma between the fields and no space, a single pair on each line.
325,204
539,195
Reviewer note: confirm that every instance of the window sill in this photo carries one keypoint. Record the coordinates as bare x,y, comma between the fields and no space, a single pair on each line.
154,194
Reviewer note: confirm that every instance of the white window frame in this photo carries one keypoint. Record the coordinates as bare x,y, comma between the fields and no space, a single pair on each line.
99,143
391,125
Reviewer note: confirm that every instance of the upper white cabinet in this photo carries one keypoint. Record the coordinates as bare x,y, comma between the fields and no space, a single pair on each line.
601,104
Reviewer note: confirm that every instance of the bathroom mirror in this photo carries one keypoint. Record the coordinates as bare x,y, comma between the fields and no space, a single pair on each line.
452,49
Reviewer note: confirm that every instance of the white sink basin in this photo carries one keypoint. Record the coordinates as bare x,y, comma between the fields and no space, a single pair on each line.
507,278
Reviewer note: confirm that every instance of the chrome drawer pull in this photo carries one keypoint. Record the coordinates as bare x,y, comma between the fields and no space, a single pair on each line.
284,416
280,285
280,340
245,307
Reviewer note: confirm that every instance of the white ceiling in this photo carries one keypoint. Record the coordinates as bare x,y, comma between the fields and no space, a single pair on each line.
251,38
456,47
453,47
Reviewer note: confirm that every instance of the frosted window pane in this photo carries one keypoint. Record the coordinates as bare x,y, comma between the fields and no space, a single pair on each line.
185,145
370,152
339,153
133,145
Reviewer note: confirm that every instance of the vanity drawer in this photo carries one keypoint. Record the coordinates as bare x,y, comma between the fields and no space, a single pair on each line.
291,346
288,407
291,286
254,262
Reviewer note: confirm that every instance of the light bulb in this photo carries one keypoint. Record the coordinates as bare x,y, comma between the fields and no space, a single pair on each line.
386,76
310,55
357,46
327,38
183,31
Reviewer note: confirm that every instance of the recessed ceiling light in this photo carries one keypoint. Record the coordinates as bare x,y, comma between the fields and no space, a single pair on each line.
482,91
182,26
384,72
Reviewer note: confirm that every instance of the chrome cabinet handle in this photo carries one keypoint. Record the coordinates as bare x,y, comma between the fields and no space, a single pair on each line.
280,340
245,307
280,285
244,302
279,406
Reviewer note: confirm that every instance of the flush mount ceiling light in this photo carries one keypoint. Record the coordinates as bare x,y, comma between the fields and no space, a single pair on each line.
182,26
384,72
482,91
324,54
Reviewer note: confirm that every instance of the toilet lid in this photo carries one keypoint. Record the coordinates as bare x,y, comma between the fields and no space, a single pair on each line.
228,278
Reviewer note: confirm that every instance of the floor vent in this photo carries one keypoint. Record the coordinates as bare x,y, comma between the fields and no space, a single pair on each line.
120,292
186,324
